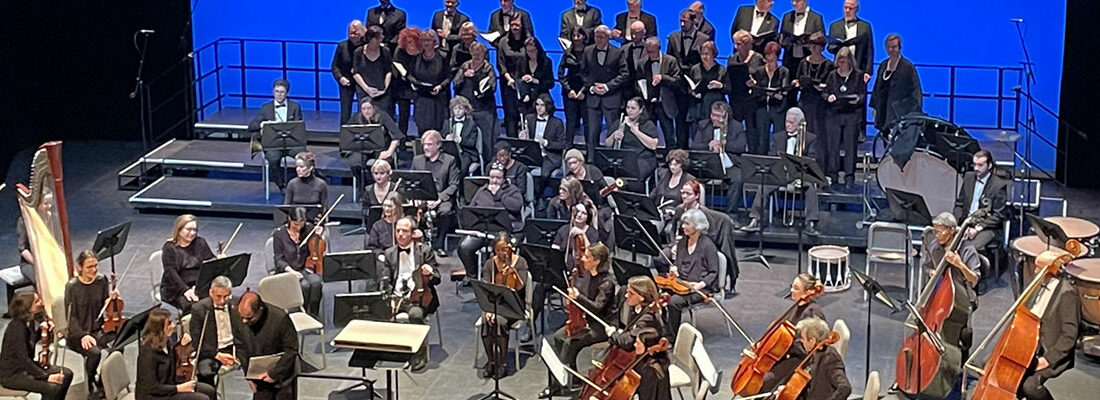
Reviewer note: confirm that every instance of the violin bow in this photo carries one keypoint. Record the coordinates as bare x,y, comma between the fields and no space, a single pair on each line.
225,248
590,313
323,217
131,264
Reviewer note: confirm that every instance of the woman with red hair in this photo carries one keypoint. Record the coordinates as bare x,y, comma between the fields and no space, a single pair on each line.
767,86
408,48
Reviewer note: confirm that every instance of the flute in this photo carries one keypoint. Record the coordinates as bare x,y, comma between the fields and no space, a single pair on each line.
619,142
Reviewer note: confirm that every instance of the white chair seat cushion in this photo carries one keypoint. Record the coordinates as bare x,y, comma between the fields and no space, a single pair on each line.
304,322
677,377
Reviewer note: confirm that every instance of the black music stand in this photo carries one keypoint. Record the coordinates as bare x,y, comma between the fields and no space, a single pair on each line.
110,242
471,184
350,266
908,208
546,265
706,165
629,234
370,306
592,189
542,231
504,303
366,140
415,185
131,329
958,149
282,136
526,151
624,270
765,170
636,205
488,220
807,170
874,291
1048,232
282,212
234,267
618,163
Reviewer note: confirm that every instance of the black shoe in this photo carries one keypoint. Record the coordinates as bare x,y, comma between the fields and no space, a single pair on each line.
440,253
487,372
753,226
811,229
550,392
418,366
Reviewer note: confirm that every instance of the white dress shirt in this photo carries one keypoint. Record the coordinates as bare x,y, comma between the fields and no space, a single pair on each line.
757,20
225,329
976,197
280,111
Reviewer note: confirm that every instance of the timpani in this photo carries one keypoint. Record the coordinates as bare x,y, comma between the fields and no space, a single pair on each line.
1085,276
1076,228
1025,249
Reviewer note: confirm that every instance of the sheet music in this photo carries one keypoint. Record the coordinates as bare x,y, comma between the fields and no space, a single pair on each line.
726,162
565,44
400,69
259,365
491,37
643,88
550,358
692,84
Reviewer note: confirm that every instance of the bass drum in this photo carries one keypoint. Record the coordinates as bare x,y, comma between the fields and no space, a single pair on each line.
924,174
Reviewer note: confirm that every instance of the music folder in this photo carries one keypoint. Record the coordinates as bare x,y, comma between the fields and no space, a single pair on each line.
387,337
260,365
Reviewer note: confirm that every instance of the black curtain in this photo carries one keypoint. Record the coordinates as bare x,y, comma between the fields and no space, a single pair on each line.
1080,85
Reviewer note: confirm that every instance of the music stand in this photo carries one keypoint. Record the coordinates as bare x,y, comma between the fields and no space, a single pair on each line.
282,212
624,270
636,205
1048,232
131,329
765,170
350,266
958,149
706,165
618,163
807,170
874,291
471,184
541,231
370,306
629,234
504,303
526,151
592,189
367,141
415,185
489,220
282,136
233,267
908,208
546,265
110,242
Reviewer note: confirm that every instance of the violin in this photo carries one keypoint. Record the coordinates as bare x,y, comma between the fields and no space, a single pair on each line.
801,377
45,340
576,323
422,294
317,245
614,378
186,354
506,274
675,285
112,311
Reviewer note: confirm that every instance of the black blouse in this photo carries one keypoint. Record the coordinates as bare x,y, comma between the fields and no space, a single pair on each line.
429,72
809,76
380,236
181,266
287,252
373,72
403,91
82,303
840,86
700,265
662,192
155,373
470,88
311,190
779,79
707,96
569,71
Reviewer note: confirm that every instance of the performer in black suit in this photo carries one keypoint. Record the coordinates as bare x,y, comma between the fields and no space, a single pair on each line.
431,77
270,332
281,109
828,381
605,73
809,80
549,131
1057,338
572,84
342,64
405,268
770,102
580,16
535,75
701,23
685,45
224,343
978,186
390,18
502,18
742,64
624,20
785,142
633,53
156,374
897,87
461,129
845,116
855,34
724,135
758,21
446,22
476,80
445,172
373,71
635,132
511,54
798,24
660,74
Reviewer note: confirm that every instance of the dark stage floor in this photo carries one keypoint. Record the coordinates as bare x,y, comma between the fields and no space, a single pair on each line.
94,203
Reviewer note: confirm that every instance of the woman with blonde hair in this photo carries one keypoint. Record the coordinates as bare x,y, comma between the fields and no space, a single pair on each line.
182,255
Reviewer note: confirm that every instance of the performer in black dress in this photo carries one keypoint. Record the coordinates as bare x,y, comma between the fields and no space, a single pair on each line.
408,50
534,76
342,67
804,290
845,91
476,80
666,195
85,296
742,64
504,268
572,83
709,79
370,115
635,132
376,192
181,256
306,188
768,87
373,71
809,79
380,236
18,367
511,54
156,374
290,256
431,78
897,86
696,259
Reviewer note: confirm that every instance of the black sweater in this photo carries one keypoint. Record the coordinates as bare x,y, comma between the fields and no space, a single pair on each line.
82,305
181,266
308,191
155,373
272,334
17,355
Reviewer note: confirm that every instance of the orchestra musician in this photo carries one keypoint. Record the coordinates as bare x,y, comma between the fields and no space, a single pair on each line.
701,23
181,256
594,289
844,119
430,77
461,129
85,295
572,83
743,63
767,87
577,168
505,268
549,131
710,83
809,79
476,80
18,367
281,109
581,16
570,193
408,50
373,70
1058,332
691,198
581,222
722,134
646,332
788,142
342,67
804,291
156,375
404,268
635,132
627,19
696,258
511,54
978,185
828,381
225,340
271,332
445,173
497,193
856,35
798,25
502,18
605,73
515,172
391,19
307,188
375,192
964,265
291,256
661,75
758,21
447,22
380,236
897,86
371,115
671,180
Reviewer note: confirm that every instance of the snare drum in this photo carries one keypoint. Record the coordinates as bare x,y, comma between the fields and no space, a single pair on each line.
1085,276
1025,249
829,264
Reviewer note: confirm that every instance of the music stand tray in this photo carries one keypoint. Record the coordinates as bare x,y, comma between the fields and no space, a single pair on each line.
350,266
131,328
804,168
707,165
282,135
636,205
526,151
618,163
415,185
908,208
110,242
542,231
234,267
763,170
487,220
624,270
370,306
1048,232
369,138
546,264
629,235
471,184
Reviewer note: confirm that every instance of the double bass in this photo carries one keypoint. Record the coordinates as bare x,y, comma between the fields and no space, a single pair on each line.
576,323
758,359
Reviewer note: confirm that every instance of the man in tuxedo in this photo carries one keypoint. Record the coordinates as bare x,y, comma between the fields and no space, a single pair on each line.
583,16
710,135
503,16
1057,338
281,109
633,53
701,23
605,72
447,176
402,269
758,21
224,341
660,75
342,63
979,186
798,24
855,34
786,143
549,131
446,23
684,46
633,13
390,18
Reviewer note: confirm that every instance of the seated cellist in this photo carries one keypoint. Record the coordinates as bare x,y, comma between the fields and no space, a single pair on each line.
641,294
804,290
1057,338
828,380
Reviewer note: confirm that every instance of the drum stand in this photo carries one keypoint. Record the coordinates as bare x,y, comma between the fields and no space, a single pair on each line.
869,211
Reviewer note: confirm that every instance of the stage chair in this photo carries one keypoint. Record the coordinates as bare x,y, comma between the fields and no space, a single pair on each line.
283,290
5,392
269,260
528,321
845,334
871,391
156,271
683,371
886,244
717,297
115,378
709,374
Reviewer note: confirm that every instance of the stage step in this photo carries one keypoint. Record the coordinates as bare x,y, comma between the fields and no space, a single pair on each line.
211,195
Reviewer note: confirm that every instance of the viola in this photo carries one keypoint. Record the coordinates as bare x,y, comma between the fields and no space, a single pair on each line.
112,317
45,340
801,377
674,285
576,323
506,274
185,366
316,259
615,376
761,357
422,294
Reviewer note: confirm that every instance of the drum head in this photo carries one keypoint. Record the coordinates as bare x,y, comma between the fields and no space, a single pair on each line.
828,252
1032,246
924,174
1086,269
1075,228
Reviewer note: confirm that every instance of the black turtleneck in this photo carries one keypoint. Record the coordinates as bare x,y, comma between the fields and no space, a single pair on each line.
307,191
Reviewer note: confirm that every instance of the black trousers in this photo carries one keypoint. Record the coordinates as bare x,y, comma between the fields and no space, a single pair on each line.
276,391
495,338
509,101
445,220
684,118
676,305
665,121
347,100
206,370
467,253
653,382
312,289
278,174
1032,387
768,119
809,199
403,113
816,109
48,390
595,118
430,112
843,138
202,392
180,303
92,357
734,189
568,347
487,122
574,118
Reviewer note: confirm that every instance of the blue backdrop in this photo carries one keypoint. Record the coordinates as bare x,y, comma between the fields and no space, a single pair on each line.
960,32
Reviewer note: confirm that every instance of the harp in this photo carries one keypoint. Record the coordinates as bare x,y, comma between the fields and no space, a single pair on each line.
42,206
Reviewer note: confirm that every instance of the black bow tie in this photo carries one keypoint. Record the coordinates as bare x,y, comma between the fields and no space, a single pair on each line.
280,105
852,22
222,308
800,14
404,250
761,13
459,121
542,119
601,51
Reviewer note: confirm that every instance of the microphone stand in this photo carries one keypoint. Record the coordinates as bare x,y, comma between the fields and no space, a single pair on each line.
140,92
1029,79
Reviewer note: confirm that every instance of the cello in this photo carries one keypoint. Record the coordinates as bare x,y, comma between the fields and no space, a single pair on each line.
576,323
929,360
1018,343
758,359
801,377
614,377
